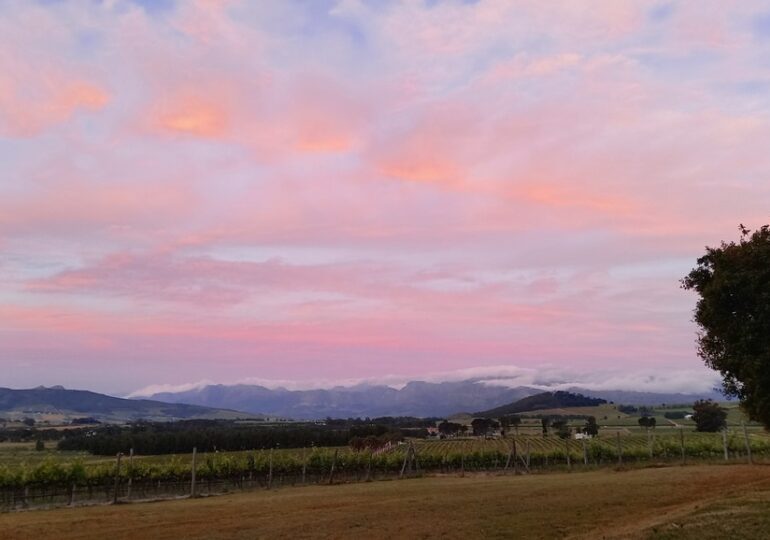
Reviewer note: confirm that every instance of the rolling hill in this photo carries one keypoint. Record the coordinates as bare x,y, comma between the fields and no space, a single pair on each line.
59,402
545,400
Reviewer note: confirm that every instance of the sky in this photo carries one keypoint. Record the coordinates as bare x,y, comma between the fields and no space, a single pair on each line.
318,191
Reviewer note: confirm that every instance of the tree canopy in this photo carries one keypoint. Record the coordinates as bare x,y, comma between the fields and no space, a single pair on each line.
708,416
591,428
733,313
647,422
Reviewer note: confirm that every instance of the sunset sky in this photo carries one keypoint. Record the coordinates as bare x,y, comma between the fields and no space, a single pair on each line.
321,191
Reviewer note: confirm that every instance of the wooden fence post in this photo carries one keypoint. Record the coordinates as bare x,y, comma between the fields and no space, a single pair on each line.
369,466
748,443
130,473
585,452
193,471
528,455
406,460
724,444
620,448
334,465
462,463
515,458
681,441
569,458
270,470
304,466
649,443
117,478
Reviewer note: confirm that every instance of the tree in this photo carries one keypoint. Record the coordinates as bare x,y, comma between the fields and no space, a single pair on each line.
645,411
544,423
562,428
28,422
708,416
646,422
39,445
504,423
591,428
481,426
515,422
449,428
733,313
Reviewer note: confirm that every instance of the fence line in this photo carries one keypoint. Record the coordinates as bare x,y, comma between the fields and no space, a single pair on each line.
124,483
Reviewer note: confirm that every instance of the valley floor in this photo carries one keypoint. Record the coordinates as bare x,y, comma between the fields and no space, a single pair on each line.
704,501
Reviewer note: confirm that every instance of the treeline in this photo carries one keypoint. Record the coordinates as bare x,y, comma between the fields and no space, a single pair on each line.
408,422
29,434
208,436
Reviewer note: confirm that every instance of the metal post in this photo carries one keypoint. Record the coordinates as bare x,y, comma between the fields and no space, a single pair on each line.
193,471
724,444
304,466
515,458
117,478
130,473
334,464
748,443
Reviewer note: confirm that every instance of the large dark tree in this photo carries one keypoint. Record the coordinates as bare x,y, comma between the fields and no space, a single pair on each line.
708,416
481,426
449,428
591,428
733,312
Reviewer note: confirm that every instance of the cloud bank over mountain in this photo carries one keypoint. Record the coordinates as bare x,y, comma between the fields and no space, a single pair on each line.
550,378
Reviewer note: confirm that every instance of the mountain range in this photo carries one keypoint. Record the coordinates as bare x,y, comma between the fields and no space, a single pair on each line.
416,398
63,404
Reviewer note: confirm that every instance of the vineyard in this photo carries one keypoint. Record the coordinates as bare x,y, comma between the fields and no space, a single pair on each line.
57,481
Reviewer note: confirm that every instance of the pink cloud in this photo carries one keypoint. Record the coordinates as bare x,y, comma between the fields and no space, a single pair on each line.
194,116
29,108
301,187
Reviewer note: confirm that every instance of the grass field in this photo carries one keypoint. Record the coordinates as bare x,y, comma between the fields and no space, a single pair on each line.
727,501
12,453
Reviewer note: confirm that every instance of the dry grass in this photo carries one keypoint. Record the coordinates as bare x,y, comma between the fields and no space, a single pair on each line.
631,504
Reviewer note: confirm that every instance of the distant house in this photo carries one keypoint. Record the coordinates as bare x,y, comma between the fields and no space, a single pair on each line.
432,431
581,435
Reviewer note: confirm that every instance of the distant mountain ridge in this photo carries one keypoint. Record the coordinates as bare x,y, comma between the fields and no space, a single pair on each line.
416,398
628,397
545,400
66,403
